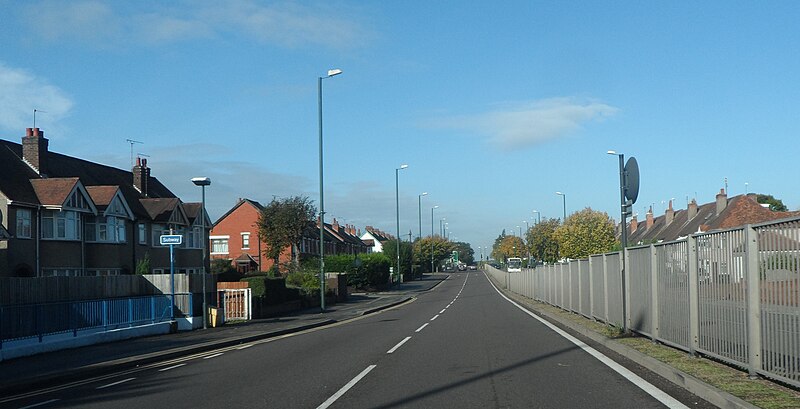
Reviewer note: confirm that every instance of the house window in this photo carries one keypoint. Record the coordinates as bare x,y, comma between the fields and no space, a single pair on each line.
193,239
61,225
142,234
23,223
158,231
106,229
219,245
245,241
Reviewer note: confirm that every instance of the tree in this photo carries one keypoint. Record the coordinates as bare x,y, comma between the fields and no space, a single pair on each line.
281,224
438,246
406,255
465,252
509,246
776,205
585,233
542,241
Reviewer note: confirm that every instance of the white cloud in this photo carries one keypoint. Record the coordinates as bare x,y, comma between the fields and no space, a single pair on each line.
284,24
22,92
530,123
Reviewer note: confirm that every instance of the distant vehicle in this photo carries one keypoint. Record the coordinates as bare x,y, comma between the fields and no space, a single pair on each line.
473,267
462,267
514,265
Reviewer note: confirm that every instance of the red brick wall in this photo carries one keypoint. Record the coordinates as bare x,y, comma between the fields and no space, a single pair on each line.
244,219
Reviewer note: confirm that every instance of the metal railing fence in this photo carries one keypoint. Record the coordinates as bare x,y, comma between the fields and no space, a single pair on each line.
733,295
27,321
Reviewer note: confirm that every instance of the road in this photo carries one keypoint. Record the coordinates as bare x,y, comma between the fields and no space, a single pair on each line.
461,344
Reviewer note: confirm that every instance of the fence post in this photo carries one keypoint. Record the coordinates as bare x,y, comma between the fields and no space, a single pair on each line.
626,286
605,289
753,302
591,289
654,291
569,286
694,295
580,289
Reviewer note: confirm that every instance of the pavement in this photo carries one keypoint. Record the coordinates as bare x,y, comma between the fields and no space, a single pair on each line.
38,371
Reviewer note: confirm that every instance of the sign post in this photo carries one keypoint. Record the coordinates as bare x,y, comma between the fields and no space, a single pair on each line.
171,240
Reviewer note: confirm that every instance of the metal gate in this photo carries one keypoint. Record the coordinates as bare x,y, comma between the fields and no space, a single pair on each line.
237,304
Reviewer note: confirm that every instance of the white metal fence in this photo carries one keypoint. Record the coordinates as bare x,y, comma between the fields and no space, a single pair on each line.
733,294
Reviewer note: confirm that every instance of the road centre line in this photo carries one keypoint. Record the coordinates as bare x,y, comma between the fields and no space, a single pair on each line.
212,356
649,388
115,383
171,367
442,311
244,346
435,317
399,344
346,387
420,328
36,405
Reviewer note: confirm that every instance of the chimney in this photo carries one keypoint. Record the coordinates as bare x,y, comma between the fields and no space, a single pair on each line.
669,215
691,210
650,218
335,225
722,201
34,149
141,176
634,224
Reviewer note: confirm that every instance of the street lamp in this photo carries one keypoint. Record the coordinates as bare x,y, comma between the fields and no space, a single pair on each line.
441,226
520,231
432,209
419,197
203,182
623,229
397,205
331,73
538,216
564,197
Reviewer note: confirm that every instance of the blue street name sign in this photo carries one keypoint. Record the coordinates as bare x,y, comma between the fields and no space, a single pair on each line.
171,239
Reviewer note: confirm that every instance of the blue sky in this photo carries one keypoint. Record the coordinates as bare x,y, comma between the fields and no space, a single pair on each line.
494,106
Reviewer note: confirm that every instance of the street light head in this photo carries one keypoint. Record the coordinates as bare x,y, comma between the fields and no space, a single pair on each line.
436,207
201,181
559,193
612,152
424,194
403,166
334,72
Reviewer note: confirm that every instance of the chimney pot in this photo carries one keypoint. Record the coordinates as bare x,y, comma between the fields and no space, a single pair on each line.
28,131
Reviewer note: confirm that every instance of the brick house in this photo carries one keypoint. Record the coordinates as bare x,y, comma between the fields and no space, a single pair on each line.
69,217
723,213
234,237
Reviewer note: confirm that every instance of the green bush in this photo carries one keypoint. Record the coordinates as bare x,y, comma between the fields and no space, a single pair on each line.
271,289
373,271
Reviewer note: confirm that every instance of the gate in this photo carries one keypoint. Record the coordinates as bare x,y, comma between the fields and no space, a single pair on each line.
237,304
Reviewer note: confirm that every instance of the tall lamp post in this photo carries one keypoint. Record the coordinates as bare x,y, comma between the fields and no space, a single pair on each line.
397,210
203,182
538,216
623,229
432,209
331,73
420,212
564,197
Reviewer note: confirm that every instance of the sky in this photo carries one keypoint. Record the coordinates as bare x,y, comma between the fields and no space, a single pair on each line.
494,106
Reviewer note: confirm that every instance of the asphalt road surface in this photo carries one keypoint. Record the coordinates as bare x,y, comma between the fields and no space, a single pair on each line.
460,345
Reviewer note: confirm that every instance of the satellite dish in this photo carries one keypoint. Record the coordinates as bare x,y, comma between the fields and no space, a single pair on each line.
631,179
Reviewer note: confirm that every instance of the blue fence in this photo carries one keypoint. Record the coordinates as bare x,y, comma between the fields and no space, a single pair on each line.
38,320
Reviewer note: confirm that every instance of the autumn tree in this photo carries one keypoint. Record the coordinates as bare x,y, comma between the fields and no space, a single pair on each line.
281,224
508,246
585,233
438,246
542,241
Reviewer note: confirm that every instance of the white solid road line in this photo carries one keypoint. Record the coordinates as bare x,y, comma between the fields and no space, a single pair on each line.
420,328
399,344
651,390
171,367
36,405
115,383
345,388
